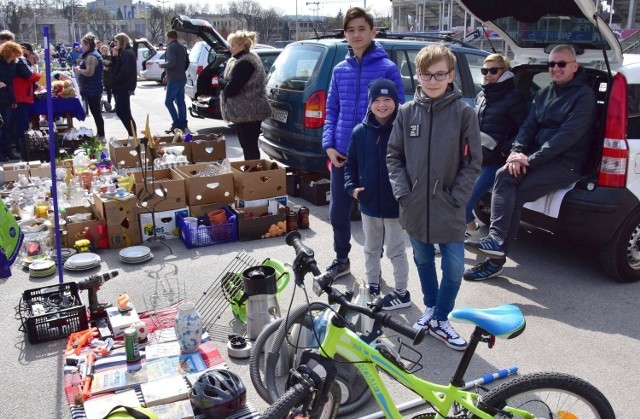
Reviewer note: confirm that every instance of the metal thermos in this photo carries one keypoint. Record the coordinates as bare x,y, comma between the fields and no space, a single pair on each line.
260,290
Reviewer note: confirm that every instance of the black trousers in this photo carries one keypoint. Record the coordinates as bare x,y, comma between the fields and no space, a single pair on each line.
95,105
123,110
248,133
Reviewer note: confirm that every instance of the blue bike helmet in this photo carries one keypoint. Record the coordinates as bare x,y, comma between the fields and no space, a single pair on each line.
218,394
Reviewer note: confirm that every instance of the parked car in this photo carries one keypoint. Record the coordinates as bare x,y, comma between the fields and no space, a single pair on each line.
153,71
144,50
602,211
206,65
299,80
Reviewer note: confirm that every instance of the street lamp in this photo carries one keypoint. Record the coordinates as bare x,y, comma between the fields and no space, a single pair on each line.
164,22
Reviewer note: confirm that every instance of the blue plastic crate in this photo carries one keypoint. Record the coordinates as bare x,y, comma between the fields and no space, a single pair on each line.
206,234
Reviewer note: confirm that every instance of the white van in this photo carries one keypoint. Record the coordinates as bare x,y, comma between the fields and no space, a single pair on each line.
602,211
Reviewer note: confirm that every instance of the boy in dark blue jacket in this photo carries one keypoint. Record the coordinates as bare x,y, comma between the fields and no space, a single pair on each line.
367,180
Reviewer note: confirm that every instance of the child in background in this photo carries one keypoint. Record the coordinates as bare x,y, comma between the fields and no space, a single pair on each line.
367,180
434,157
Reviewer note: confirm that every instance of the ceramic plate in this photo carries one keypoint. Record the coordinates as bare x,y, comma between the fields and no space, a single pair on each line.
80,260
80,268
134,252
137,260
42,265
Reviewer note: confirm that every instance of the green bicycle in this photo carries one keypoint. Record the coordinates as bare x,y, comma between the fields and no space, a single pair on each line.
312,391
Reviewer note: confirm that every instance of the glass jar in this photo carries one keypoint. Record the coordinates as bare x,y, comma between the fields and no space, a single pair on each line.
303,218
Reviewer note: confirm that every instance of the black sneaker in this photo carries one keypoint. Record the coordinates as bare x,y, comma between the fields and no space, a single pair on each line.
487,246
485,270
338,269
395,301
170,130
374,291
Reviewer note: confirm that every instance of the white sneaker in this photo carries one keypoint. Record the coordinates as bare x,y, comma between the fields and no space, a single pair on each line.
442,329
423,322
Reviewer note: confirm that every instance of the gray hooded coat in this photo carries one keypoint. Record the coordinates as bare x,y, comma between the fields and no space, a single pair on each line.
434,157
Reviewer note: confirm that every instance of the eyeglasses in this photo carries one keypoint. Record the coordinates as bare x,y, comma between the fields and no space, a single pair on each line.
561,64
439,76
492,70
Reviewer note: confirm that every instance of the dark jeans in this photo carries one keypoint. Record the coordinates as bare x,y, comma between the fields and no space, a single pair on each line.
7,130
248,133
107,90
340,213
95,105
510,193
123,110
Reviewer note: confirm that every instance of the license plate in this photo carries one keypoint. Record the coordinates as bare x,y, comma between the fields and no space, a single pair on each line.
279,115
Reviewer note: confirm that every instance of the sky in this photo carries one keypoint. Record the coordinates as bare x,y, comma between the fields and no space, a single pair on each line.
324,7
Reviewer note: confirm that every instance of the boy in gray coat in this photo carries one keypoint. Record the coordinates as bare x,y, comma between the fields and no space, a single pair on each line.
434,157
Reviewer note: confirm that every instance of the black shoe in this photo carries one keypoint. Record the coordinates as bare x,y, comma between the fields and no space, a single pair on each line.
170,130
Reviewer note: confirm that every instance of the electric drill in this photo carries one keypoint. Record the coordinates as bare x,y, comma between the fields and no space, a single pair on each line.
92,285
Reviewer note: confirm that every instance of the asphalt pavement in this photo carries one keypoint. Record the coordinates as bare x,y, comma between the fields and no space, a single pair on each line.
578,320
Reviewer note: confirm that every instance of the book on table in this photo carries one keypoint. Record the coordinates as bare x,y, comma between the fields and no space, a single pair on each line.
174,366
177,410
98,407
165,390
118,378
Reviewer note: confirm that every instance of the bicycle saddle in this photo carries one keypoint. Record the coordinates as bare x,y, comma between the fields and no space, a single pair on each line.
505,321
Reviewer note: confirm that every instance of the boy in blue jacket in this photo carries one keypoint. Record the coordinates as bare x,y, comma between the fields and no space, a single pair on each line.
367,180
346,106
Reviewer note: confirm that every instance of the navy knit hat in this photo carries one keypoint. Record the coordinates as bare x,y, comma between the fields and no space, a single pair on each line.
383,87
76,44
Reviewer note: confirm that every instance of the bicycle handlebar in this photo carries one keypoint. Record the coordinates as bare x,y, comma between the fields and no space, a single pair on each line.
305,260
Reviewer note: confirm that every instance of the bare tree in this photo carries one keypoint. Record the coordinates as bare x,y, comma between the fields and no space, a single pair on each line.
13,12
154,24
247,12
267,25
99,22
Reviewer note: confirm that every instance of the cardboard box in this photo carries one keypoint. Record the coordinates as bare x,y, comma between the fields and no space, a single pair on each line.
293,184
252,226
208,148
172,182
119,322
40,170
206,189
11,171
315,189
257,179
167,141
260,202
75,229
123,154
166,223
121,217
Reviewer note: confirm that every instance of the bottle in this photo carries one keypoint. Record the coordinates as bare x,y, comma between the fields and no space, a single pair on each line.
292,220
303,218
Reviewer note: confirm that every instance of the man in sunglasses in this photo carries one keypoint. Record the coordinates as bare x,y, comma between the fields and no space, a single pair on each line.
548,153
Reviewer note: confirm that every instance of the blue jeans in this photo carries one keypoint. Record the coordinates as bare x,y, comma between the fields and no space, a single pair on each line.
340,213
175,93
482,186
442,297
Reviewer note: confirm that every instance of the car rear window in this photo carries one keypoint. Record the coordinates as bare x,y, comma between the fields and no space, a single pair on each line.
295,67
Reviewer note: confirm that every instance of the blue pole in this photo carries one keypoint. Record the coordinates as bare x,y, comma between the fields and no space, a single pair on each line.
52,154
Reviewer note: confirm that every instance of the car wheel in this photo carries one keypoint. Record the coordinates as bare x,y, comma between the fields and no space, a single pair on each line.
621,256
482,209
163,78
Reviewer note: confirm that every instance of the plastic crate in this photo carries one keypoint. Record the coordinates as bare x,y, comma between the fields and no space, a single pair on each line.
64,312
207,234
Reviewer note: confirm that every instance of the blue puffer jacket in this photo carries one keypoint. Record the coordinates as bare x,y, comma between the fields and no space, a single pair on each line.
366,167
91,86
347,99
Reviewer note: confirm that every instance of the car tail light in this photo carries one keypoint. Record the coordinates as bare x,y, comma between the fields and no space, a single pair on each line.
199,70
315,109
615,150
214,81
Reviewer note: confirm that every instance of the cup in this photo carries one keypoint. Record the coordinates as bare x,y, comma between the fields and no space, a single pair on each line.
120,192
191,221
218,216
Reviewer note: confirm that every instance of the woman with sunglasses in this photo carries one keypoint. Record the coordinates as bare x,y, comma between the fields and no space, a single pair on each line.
501,110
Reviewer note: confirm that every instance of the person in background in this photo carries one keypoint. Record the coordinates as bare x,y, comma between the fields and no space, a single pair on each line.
175,64
105,53
89,71
243,100
434,157
9,54
24,87
548,153
347,105
124,79
6,35
501,110
367,180
74,55
160,47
